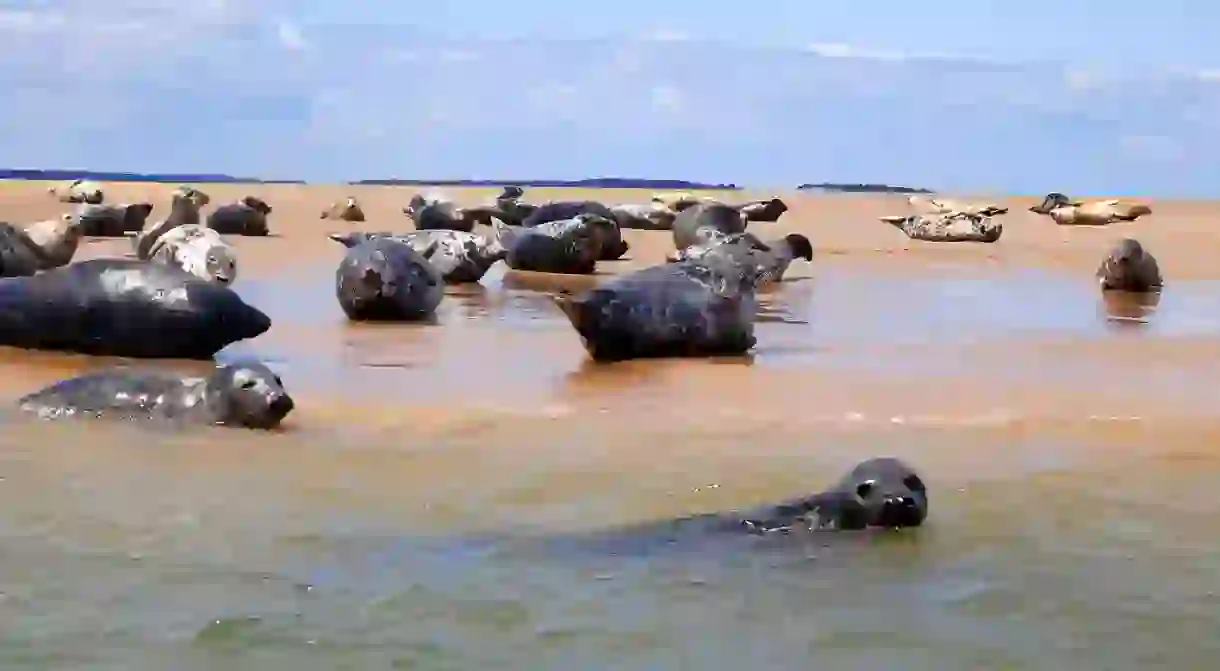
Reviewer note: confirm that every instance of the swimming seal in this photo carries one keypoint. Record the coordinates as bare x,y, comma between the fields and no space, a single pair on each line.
246,395
612,246
385,280
198,250
56,240
346,210
770,259
570,246
247,216
124,307
948,227
459,257
113,221
717,216
1129,267
671,310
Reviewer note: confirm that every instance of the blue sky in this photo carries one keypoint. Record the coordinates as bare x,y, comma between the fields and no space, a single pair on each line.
1016,97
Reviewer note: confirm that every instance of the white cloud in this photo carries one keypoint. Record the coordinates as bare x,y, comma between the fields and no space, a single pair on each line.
290,36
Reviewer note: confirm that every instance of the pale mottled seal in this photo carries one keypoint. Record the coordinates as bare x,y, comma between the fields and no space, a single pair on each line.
768,210
196,196
124,307
113,221
78,191
57,239
459,257
717,216
1067,212
246,395
247,216
670,310
346,210
570,246
948,227
1129,267
183,211
927,205
613,245
198,250
385,280
643,217
19,256
770,259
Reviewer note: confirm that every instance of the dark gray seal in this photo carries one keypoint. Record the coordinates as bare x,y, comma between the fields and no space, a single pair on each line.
719,217
770,259
613,245
247,216
763,211
1129,267
124,307
113,221
183,211
569,246
460,257
671,310
386,280
246,395
435,211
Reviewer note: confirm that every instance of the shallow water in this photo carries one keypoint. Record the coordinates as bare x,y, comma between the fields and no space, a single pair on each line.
394,522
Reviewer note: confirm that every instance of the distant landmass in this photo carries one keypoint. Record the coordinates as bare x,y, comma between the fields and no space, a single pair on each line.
100,176
861,188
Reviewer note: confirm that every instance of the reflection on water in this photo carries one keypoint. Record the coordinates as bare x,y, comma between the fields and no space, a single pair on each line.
1126,308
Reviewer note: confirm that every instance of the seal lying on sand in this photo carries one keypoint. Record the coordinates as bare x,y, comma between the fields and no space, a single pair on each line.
1129,267
347,210
435,211
78,191
643,217
198,250
183,211
19,256
113,221
386,280
240,395
670,310
948,206
459,257
1066,212
247,216
716,216
570,246
613,245
770,259
769,210
950,227
56,239
124,307
196,196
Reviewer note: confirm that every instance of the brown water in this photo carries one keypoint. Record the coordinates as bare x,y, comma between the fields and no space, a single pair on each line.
1070,454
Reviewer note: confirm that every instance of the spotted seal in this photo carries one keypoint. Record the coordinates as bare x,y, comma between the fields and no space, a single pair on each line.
613,245
569,246
1129,267
113,221
247,216
124,307
346,210
715,215
385,280
948,227
770,259
460,257
183,211
198,250
245,395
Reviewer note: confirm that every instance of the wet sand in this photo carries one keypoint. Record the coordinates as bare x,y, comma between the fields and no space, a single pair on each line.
1070,456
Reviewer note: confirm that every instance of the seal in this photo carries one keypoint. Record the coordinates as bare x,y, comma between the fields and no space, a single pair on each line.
19,256
948,227
196,196
113,221
78,191
56,239
247,216
946,206
124,307
1067,212
459,257
183,211
346,210
245,395
770,259
723,218
198,250
434,211
1131,268
613,245
652,216
569,246
385,280
671,310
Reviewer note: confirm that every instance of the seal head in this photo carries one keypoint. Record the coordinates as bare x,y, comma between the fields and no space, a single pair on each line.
248,394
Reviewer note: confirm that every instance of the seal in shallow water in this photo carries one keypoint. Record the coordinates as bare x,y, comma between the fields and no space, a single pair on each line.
124,307
247,216
113,221
1129,267
671,310
613,245
460,257
770,259
240,395
570,246
385,280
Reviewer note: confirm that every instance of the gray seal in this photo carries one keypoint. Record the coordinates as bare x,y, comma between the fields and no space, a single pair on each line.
56,239
613,245
770,259
1129,267
460,257
948,227
247,216
78,191
19,256
124,307
199,198
183,211
569,246
651,216
717,216
434,211
245,395
113,221
198,250
385,280
670,310
345,210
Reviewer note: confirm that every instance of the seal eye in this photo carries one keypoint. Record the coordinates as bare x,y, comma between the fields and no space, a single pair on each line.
913,483
864,489
249,384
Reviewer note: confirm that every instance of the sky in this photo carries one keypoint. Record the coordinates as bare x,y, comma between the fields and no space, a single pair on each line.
1030,97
